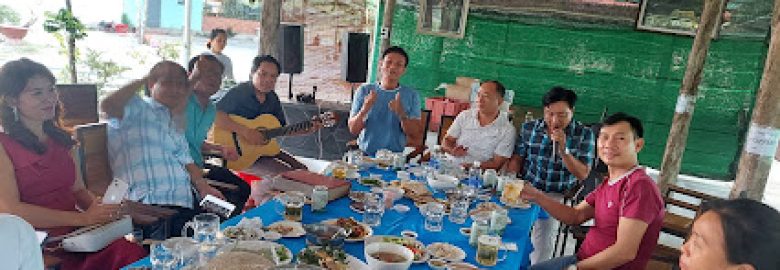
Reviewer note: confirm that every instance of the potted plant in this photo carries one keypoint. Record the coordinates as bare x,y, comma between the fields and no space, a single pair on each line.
9,23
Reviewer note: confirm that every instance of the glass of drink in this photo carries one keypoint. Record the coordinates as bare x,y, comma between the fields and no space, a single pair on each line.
374,208
319,198
161,257
512,191
459,211
434,216
204,226
487,250
293,205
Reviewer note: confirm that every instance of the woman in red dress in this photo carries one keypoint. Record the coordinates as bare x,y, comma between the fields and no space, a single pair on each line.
38,177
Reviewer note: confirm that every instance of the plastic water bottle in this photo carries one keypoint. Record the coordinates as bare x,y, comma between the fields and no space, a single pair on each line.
435,161
475,175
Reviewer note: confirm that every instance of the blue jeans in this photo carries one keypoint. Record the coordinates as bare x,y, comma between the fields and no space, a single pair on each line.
558,263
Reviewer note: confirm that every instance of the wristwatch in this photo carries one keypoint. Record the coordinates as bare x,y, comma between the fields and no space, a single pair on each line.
566,151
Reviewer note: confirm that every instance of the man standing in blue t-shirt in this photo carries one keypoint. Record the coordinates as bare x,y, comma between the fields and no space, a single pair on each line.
384,113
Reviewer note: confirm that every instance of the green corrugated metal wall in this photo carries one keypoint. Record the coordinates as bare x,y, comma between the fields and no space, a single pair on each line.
626,70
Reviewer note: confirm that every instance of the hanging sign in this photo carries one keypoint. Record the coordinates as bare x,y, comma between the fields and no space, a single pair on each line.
762,140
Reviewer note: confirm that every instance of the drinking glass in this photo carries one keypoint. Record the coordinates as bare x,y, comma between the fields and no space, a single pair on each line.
459,211
374,208
204,226
161,257
434,216
487,250
293,205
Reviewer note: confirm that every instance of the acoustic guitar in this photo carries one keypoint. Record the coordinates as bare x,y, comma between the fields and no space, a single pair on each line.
271,128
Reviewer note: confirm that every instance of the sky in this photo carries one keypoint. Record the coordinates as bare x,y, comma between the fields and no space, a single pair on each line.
89,11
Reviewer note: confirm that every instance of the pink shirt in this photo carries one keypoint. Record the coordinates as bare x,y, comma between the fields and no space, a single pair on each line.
634,196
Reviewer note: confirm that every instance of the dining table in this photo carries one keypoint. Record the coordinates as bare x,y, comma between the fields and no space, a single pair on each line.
394,222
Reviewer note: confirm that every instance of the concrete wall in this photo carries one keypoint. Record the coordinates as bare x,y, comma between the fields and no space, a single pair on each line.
237,25
609,65
171,15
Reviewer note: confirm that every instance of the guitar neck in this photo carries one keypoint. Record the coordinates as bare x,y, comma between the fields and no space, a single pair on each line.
287,130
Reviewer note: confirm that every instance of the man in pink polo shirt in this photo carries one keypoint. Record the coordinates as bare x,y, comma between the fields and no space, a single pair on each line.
627,207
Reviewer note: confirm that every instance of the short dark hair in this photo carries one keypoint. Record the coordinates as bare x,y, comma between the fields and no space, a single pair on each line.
214,34
158,70
265,58
750,231
500,89
210,57
558,93
635,123
398,50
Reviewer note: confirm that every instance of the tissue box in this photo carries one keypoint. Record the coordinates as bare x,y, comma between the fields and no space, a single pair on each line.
305,181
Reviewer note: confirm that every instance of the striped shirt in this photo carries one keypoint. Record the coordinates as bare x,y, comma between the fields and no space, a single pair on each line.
149,151
536,149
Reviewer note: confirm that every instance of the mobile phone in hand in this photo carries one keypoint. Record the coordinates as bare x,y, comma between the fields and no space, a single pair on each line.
115,192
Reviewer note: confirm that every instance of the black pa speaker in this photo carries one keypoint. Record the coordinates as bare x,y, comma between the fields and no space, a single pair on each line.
290,48
354,57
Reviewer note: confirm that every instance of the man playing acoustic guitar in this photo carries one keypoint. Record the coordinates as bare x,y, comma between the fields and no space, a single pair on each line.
254,99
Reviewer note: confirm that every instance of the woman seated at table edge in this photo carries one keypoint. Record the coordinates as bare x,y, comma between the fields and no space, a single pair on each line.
39,181
739,234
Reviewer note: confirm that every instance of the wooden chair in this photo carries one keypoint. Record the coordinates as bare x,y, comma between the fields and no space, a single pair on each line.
418,140
79,104
446,122
96,171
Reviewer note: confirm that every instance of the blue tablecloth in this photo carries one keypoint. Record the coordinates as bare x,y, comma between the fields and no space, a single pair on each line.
393,223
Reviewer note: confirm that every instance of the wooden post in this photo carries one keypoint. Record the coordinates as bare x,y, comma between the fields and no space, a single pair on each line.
71,49
270,27
387,25
683,112
762,139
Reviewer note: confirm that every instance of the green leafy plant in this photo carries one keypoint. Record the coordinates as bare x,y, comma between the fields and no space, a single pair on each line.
64,23
101,70
63,20
8,15
168,51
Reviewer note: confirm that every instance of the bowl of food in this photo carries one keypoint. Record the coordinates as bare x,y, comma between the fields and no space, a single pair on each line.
394,192
388,256
323,234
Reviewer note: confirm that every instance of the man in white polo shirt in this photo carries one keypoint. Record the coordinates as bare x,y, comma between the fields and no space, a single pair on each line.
483,133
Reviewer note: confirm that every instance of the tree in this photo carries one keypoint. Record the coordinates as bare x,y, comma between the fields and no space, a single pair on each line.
64,21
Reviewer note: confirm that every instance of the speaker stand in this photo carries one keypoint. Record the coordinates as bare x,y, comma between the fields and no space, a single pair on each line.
289,88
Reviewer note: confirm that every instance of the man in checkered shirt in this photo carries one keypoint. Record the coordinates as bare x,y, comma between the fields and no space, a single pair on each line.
552,154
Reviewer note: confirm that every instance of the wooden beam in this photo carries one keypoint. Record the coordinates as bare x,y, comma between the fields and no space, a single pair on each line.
387,25
762,139
270,27
683,112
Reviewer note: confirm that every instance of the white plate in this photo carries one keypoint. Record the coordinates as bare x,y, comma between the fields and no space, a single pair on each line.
369,231
457,254
297,231
353,263
259,245
461,266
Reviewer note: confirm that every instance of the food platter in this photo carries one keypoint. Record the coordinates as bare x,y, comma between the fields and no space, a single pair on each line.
288,229
359,231
282,254
446,251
